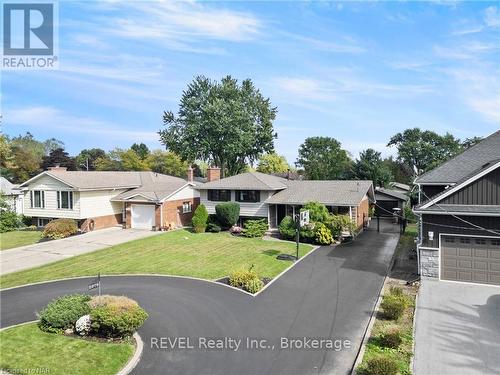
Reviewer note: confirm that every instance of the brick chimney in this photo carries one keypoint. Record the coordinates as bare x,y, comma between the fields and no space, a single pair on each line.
190,174
213,173
57,167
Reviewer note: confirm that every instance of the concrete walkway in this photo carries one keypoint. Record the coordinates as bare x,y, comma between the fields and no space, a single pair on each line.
457,329
30,256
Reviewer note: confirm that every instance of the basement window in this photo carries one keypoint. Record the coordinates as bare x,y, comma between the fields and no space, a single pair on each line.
187,207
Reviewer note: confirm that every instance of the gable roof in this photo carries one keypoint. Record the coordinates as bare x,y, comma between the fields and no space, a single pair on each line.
334,192
455,169
247,181
392,193
400,185
8,188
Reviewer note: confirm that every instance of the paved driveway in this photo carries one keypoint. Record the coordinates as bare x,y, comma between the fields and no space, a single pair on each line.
457,329
30,256
329,294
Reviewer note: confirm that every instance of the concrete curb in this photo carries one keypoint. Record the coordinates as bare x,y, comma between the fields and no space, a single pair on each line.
139,346
17,325
412,359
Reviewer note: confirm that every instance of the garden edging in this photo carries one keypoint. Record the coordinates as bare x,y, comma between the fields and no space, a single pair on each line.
139,346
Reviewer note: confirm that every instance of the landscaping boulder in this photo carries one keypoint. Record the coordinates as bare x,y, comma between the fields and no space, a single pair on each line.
82,325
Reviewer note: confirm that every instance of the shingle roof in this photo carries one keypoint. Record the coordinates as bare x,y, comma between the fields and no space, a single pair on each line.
8,188
247,181
154,186
461,208
338,192
393,193
400,185
461,165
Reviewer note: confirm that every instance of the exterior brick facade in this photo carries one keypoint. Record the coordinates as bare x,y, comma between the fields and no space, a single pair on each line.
362,213
100,222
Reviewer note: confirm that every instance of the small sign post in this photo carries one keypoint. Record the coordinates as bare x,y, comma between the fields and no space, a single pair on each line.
96,283
301,220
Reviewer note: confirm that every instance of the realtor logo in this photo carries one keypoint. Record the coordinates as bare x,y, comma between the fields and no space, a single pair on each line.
29,35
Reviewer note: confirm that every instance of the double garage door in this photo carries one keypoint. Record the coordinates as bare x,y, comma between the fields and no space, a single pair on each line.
470,259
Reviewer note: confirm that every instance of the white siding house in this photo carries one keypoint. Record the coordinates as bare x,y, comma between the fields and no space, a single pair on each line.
247,209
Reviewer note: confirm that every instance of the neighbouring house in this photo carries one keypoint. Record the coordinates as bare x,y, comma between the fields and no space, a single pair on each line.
400,187
389,201
272,198
459,211
97,200
12,195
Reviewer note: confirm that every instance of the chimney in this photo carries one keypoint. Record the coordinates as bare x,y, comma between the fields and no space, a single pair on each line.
57,167
190,174
213,173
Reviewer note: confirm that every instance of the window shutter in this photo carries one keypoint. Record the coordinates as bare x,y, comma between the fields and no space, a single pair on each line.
31,198
43,199
70,200
58,199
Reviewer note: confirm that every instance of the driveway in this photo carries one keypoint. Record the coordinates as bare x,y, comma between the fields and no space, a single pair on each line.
329,294
457,329
30,256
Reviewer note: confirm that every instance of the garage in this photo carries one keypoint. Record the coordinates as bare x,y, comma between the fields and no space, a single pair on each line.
470,259
143,216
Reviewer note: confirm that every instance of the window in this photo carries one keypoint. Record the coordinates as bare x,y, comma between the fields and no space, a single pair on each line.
187,207
464,240
65,200
37,198
449,240
43,221
219,195
480,241
247,195
495,242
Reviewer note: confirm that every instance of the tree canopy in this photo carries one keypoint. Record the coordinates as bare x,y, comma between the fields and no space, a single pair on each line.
141,150
58,157
225,123
87,158
370,166
323,159
167,162
272,163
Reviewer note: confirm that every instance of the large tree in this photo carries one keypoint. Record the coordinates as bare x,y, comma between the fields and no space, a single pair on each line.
272,163
370,166
121,160
399,171
423,150
323,159
140,149
58,157
166,162
27,155
86,159
224,123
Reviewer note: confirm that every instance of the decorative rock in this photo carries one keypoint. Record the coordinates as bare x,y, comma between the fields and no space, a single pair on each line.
82,325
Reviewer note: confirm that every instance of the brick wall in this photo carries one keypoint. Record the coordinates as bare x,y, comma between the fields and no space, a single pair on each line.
173,216
100,222
362,212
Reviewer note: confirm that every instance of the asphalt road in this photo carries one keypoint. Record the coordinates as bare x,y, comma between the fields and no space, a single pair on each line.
329,294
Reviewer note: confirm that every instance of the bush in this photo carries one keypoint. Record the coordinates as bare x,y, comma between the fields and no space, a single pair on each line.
287,228
396,291
213,228
63,312
340,223
116,317
308,232
59,228
255,228
317,211
392,337
254,285
381,365
323,234
240,277
227,214
200,219
394,306
9,221
26,220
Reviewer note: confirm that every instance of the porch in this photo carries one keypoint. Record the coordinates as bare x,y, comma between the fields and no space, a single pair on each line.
278,211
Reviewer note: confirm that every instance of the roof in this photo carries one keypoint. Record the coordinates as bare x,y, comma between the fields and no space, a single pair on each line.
247,181
455,169
392,193
400,185
335,192
8,188
460,208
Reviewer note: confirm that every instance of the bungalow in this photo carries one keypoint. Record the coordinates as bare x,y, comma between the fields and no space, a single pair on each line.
97,200
271,197
459,210
388,201
12,195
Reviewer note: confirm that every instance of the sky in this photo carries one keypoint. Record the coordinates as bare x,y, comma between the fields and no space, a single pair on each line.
356,71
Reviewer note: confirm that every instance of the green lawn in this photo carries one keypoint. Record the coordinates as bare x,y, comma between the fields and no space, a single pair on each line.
27,350
18,238
203,255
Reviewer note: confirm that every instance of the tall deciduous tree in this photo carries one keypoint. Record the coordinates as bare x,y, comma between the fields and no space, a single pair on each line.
87,158
224,123
140,149
27,154
58,157
323,159
370,166
167,162
272,163
400,171
121,160
423,150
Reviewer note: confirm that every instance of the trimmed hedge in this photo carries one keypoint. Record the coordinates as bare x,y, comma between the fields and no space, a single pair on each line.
63,312
255,228
200,219
227,214
116,317
287,228
60,228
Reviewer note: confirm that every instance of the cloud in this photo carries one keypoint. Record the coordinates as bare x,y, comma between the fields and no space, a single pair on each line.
53,118
492,17
347,46
465,51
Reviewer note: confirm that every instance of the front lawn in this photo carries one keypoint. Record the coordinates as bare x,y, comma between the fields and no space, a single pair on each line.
204,255
9,240
26,349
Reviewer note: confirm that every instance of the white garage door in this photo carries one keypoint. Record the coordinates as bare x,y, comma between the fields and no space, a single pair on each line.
143,216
